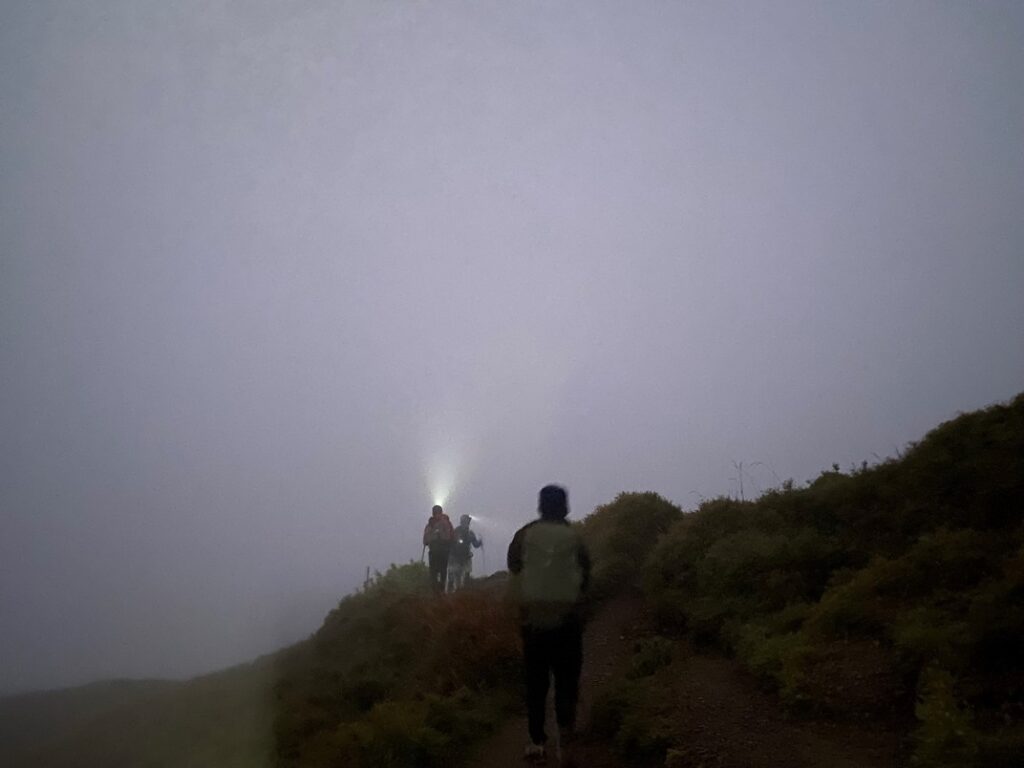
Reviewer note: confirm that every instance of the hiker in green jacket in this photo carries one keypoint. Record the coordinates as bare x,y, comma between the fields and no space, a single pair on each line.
550,568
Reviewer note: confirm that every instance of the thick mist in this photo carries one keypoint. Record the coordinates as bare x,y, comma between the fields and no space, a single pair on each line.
276,276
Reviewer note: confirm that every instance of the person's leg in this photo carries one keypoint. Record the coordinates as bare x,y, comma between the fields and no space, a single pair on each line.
457,573
454,577
443,556
536,658
567,662
435,570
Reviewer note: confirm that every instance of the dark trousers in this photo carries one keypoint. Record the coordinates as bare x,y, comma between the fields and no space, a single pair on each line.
438,558
559,652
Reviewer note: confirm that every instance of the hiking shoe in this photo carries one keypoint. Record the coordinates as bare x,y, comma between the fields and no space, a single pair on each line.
535,753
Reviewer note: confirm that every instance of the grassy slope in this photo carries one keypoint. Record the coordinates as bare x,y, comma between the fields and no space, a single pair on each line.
893,592
396,676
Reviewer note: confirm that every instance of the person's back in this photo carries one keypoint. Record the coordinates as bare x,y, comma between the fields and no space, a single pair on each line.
550,564
464,540
550,568
437,537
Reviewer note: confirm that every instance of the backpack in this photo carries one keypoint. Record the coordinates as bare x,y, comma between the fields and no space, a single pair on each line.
463,539
551,573
438,531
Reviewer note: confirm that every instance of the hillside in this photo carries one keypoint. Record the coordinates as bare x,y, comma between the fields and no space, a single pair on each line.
891,594
398,677
875,614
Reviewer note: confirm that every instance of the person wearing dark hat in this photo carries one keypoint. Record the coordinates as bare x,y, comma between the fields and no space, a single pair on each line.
550,568
437,538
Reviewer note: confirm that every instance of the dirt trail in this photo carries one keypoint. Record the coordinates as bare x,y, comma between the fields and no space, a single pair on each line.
727,720
607,645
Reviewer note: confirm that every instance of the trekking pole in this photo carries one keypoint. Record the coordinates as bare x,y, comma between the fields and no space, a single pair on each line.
423,554
483,555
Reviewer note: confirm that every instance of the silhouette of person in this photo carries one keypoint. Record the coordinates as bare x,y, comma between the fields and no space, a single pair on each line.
437,537
550,568
460,563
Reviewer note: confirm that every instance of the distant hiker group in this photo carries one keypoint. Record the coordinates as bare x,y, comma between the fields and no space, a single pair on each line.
549,568
450,550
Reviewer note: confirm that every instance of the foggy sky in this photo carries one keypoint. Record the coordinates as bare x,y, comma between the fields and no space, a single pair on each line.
275,274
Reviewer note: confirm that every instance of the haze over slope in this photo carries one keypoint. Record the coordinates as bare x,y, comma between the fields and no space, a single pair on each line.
274,276
881,610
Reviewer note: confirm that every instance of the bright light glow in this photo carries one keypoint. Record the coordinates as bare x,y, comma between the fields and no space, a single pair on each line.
439,479
440,493
439,485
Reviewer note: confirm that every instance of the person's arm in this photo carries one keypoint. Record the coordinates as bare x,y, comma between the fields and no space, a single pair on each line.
583,557
426,534
515,552
476,541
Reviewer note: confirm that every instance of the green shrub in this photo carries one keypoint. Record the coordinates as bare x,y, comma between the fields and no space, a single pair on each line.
854,587
393,735
775,658
638,715
933,633
707,571
644,736
621,535
918,599
652,653
946,737
397,677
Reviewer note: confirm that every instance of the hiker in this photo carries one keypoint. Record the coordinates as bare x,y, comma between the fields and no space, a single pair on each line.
460,563
550,569
437,537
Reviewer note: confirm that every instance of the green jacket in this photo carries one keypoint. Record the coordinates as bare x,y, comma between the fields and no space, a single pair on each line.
550,568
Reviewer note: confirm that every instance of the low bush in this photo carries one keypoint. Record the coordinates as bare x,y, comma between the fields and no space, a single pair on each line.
651,654
946,737
397,677
621,535
851,593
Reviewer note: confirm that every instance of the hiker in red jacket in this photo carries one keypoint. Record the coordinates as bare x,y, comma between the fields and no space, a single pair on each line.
437,537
